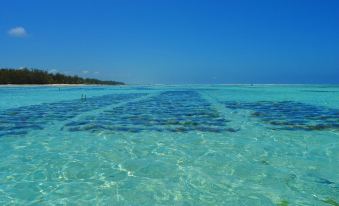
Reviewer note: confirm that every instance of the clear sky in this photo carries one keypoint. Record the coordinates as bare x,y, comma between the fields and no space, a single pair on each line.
175,41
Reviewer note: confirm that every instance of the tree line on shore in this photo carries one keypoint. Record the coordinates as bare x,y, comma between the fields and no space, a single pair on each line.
37,76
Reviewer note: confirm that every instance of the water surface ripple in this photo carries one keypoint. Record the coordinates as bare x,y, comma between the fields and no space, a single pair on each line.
169,145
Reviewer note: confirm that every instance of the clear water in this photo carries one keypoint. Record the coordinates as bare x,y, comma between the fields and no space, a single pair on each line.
170,145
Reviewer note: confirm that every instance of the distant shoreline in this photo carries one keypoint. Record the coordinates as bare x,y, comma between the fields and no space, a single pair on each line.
80,85
25,76
54,85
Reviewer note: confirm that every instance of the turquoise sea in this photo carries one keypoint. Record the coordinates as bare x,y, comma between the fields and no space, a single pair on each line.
170,145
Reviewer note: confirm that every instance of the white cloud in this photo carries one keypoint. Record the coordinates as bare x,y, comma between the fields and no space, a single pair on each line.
17,32
85,71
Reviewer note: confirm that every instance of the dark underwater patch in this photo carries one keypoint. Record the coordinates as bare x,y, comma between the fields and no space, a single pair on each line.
19,121
171,111
291,115
320,91
331,202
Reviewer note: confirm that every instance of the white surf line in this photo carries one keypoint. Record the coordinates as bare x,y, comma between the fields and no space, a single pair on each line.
112,106
234,122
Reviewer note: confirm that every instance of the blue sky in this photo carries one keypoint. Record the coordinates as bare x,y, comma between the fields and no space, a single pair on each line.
175,41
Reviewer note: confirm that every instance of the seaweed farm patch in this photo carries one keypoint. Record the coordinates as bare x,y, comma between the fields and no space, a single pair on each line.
291,115
171,111
18,121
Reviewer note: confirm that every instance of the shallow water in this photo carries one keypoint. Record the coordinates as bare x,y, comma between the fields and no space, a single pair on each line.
170,145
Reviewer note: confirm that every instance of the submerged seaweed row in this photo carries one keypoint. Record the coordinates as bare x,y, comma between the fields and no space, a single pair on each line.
290,115
173,111
18,121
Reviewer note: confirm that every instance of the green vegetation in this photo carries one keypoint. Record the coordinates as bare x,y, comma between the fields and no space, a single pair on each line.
331,202
283,203
36,76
